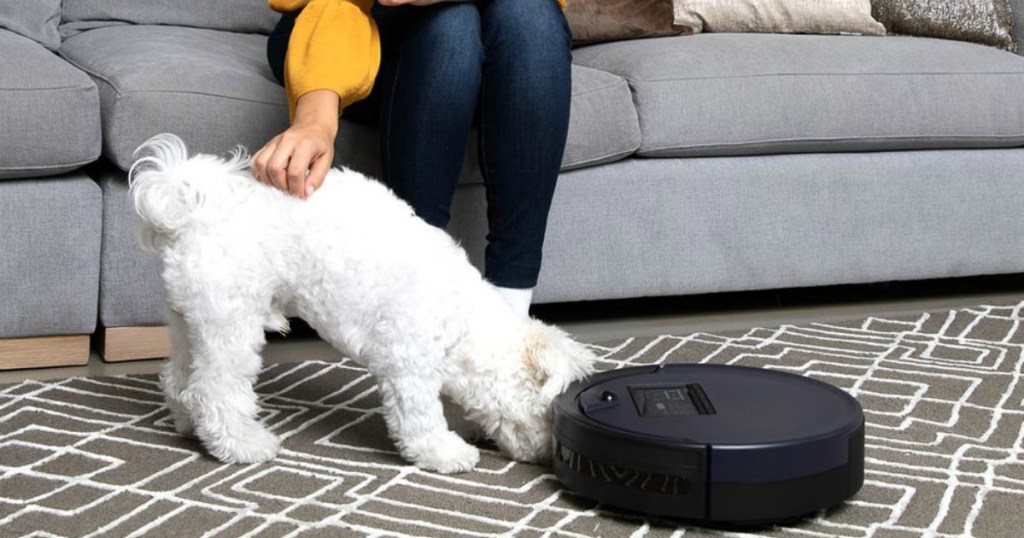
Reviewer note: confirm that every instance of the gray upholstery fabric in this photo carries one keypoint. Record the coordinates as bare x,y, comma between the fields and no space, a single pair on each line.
212,88
49,256
37,20
215,90
231,15
131,292
742,94
603,123
1018,24
49,111
650,227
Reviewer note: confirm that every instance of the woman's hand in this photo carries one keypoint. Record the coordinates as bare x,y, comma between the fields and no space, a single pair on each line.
297,160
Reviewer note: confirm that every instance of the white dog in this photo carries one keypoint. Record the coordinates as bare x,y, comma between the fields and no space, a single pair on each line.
397,295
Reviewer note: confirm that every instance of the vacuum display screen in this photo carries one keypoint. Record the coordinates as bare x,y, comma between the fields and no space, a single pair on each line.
670,401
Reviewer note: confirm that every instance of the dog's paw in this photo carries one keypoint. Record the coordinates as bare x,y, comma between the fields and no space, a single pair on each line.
182,422
443,452
251,443
184,427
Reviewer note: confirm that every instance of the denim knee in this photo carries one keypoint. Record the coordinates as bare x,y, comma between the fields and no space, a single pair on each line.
533,28
450,30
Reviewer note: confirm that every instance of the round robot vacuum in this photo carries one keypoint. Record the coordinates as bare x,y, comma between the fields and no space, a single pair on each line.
709,443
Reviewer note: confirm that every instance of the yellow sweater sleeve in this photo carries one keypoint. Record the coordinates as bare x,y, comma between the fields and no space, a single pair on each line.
334,46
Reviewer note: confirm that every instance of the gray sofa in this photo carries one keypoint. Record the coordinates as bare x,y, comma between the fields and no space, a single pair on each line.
709,163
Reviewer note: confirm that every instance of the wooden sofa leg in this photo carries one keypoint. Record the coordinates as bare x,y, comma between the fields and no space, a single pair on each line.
133,343
44,351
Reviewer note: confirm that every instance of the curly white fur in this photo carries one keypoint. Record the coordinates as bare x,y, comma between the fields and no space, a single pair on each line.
381,285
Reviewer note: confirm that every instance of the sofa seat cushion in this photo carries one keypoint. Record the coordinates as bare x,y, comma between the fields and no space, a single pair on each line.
215,90
603,123
212,88
49,255
49,111
740,94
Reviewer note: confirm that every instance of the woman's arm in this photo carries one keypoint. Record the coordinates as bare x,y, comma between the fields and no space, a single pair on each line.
334,45
297,160
332,61
283,6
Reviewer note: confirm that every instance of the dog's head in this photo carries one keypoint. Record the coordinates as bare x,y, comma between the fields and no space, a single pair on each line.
548,360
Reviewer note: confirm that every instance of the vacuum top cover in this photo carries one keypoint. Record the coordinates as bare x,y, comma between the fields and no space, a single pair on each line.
720,405
709,442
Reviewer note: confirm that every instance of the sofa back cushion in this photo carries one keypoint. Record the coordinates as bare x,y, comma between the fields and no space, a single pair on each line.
49,112
34,19
744,94
248,16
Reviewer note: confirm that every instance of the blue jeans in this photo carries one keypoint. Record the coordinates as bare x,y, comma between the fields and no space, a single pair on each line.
503,65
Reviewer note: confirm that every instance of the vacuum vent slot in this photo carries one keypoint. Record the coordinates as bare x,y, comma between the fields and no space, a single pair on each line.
623,476
700,399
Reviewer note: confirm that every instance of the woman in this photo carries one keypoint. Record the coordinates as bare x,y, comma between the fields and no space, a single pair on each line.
443,65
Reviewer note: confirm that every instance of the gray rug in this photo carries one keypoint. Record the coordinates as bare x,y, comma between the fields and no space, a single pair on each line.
942,393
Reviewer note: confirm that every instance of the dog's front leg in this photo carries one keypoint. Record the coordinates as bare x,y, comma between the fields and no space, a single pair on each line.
174,374
415,419
219,394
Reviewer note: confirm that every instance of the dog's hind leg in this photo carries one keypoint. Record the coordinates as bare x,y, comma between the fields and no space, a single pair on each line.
415,419
174,374
220,396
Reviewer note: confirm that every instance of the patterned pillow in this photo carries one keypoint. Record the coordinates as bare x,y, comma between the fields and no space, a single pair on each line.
778,16
594,21
989,22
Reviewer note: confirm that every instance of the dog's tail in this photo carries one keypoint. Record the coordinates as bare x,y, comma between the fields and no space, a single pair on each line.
168,188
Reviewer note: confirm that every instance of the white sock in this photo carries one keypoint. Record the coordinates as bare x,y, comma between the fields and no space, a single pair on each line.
518,298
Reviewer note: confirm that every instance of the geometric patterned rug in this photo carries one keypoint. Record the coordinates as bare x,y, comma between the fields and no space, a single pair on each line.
942,395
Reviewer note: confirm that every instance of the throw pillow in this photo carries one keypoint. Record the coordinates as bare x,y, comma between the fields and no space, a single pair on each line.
989,22
595,21
34,19
778,16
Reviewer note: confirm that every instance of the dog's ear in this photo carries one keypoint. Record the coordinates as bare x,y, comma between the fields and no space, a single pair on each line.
554,359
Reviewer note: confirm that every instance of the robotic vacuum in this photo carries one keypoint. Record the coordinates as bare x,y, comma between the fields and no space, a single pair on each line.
711,443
